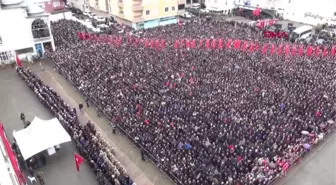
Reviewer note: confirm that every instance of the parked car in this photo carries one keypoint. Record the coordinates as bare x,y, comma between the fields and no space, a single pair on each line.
87,21
92,15
187,15
87,13
102,26
99,18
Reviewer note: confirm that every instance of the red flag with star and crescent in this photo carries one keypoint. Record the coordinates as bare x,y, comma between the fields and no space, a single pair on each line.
78,160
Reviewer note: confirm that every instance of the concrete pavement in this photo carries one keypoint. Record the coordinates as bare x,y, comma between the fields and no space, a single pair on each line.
16,98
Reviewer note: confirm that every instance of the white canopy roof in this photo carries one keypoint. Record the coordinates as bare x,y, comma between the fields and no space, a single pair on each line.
40,135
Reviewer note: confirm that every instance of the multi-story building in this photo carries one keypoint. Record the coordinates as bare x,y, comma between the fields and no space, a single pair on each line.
305,11
140,14
100,5
25,29
222,6
83,5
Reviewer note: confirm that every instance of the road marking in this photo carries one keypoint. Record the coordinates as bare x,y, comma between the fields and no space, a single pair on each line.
14,105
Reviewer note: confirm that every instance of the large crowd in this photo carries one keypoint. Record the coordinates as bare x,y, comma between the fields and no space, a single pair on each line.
206,116
90,144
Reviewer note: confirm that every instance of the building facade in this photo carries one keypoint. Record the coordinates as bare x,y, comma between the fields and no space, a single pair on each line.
222,6
100,5
25,30
142,14
305,11
83,5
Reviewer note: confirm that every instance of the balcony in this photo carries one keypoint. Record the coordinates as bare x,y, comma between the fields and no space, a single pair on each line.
181,1
137,2
42,39
137,14
138,19
120,4
137,8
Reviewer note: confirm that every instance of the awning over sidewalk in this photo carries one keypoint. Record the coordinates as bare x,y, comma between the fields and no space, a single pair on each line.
40,135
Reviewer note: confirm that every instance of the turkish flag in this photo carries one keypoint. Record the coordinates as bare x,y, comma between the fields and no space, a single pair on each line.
18,62
176,45
286,49
207,43
251,48
146,43
200,44
244,46
163,43
325,51
214,44
151,44
84,36
300,51
220,43
79,34
236,44
317,51
309,51
294,50
264,50
228,43
272,49
78,160
193,43
279,49
333,50
187,43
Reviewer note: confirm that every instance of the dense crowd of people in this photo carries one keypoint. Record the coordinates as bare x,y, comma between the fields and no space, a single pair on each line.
97,152
223,116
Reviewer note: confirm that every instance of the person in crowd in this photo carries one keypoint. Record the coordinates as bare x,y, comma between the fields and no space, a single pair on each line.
87,101
22,118
80,107
204,116
39,177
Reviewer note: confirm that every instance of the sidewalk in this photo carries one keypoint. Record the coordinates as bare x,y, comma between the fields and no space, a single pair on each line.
143,173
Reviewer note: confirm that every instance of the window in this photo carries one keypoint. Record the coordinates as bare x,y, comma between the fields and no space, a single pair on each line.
173,8
0,40
147,12
4,56
166,9
181,7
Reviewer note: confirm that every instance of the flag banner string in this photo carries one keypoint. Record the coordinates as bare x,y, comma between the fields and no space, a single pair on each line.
213,44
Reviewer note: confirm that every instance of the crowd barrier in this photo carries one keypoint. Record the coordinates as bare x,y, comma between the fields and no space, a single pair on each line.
297,160
155,162
171,176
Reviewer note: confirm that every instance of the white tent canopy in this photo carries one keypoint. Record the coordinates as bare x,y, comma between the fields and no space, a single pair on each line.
40,135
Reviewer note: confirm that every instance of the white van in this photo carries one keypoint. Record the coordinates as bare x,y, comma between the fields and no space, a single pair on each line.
195,6
301,33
